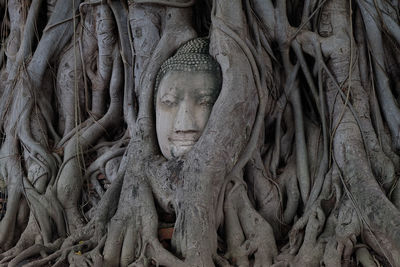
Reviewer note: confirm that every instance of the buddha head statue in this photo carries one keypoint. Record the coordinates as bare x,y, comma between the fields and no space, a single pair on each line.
187,86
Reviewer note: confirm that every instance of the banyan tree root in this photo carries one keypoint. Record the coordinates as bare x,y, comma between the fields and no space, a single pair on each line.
242,223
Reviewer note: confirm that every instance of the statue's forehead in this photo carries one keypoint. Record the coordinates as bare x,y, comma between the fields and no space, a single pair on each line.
198,81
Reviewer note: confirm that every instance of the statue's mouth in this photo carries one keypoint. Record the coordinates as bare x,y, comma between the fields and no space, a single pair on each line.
185,140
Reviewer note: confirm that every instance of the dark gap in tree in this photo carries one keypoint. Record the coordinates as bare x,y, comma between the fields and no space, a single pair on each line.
202,17
294,11
40,24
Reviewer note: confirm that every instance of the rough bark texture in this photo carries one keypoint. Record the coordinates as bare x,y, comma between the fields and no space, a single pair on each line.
298,164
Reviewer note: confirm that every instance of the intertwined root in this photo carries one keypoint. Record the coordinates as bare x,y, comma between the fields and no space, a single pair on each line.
247,233
132,238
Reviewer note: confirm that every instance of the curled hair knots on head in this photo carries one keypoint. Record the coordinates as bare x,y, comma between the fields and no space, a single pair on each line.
191,56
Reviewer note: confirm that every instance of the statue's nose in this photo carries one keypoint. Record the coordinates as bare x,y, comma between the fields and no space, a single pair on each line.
185,119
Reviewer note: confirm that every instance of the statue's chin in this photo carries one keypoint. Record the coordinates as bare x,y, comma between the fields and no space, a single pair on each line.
179,150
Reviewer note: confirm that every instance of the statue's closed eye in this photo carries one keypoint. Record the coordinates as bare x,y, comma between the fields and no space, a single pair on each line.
206,100
169,100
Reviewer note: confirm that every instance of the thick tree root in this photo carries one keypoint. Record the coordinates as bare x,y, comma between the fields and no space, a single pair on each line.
248,234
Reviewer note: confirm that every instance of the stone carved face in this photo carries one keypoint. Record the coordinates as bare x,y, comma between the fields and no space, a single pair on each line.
184,102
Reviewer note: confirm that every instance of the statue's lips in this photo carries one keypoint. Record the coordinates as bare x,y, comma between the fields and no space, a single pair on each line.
184,141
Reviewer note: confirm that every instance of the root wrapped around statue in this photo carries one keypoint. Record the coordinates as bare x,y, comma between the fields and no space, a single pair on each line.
199,133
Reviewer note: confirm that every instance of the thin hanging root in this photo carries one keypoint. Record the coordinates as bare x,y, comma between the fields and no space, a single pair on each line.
324,163
303,172
307,74
293,92
276,153
292,191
